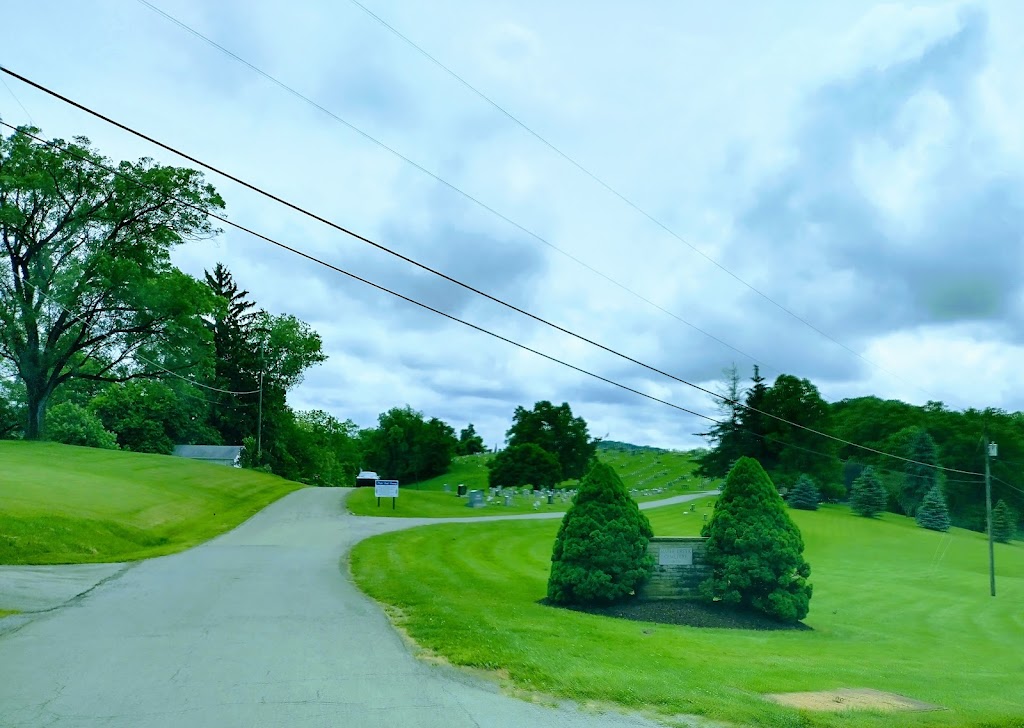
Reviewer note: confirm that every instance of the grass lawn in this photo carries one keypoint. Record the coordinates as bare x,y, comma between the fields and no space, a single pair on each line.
61,504
642,470
895,608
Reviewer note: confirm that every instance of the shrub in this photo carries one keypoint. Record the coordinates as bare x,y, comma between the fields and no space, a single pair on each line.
74,425
522,464
600,553
804,495
1003,526
932,513
867,497
754,549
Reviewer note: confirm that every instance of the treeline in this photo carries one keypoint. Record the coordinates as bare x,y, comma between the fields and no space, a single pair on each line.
104,343
775,427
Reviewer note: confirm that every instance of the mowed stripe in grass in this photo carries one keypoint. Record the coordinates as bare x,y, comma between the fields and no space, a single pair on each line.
63,504
895,608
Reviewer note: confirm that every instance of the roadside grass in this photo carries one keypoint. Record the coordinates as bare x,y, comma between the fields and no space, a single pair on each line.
71,505
643,470
8,612
895,608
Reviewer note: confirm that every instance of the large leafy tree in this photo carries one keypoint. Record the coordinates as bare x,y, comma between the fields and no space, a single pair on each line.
600,552
527,464
153,416
470,443
556,430
86,281
754,549
790,450
408,447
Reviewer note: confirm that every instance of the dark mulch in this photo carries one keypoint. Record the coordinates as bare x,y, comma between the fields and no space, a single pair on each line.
685,612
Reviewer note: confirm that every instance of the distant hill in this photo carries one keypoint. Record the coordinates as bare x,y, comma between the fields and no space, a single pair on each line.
615,446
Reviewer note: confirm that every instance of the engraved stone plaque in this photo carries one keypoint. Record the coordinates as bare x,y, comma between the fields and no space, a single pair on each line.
675,556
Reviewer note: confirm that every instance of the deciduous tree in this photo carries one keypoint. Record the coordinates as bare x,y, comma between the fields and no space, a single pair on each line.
87,279
557,431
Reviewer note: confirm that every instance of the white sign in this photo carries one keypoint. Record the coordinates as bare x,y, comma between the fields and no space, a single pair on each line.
675,556
385,488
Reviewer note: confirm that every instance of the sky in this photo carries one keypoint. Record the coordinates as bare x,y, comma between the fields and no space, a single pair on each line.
830,190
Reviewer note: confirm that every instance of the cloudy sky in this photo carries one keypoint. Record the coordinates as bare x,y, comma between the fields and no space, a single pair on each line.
857,164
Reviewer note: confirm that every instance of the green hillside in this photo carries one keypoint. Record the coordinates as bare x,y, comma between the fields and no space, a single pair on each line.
643,469
64,504
895,608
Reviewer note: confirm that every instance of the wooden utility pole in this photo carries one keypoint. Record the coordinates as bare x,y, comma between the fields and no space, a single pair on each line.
991,450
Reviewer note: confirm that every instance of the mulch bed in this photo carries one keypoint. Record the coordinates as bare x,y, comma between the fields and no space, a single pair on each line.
686,612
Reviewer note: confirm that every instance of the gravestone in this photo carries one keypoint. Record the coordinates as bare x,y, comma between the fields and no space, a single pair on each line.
462,490
447,488
476,499
508,500
679,568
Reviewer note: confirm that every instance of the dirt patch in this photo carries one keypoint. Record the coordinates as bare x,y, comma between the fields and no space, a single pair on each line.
851,699
690,613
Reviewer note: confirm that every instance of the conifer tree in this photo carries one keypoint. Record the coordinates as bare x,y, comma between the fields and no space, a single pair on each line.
867,497
933,513
804,495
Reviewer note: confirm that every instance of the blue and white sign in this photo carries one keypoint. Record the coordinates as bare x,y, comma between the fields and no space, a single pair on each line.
385,488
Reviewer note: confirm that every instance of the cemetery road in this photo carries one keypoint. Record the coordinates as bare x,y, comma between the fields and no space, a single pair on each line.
259,627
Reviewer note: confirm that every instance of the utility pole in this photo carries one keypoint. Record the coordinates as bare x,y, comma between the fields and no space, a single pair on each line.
991,451
259,414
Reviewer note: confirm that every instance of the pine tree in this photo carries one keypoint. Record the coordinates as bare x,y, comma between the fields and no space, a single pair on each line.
933,513
920,477
600,553
1003,526
754,549
804,495
868,497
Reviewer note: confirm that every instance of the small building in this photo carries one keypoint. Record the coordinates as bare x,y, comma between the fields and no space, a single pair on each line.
215,454
366,479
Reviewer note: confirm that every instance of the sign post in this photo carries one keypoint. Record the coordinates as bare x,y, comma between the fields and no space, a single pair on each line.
386,489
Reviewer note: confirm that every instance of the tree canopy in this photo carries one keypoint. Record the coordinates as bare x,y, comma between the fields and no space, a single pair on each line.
526,464
556,430
88,284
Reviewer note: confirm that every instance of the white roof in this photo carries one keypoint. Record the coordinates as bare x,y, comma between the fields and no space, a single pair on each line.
366,474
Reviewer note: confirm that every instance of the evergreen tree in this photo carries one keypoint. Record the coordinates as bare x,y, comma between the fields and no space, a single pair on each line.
932,513
754,549
804,495
600,553
919,477
868,497
725,436
754,424
1003,526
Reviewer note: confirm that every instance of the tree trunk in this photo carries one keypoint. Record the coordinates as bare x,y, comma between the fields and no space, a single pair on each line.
37,398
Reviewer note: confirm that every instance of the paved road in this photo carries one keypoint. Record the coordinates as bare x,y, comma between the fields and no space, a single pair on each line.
259,627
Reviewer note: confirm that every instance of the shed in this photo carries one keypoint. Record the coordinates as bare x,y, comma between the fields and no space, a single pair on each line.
366,479
216,454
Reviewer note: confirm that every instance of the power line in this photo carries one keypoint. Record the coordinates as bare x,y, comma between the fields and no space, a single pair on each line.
437,178
561,329
607,186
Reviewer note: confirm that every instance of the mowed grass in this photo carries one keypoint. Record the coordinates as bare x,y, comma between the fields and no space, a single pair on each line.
895,608
61,504
643,470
